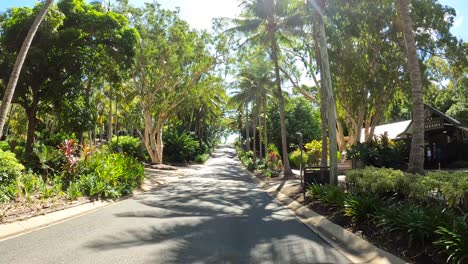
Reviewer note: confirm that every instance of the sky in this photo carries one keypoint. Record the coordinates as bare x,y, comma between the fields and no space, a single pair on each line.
199,13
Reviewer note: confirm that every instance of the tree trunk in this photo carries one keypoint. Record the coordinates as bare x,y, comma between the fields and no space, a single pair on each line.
416,159
10,90
32,120
284,144
260,137
323,92
247,132
109,124
330,99
254,134
265,127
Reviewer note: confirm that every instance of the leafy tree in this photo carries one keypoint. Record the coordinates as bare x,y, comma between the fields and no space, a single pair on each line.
266,22
172,61
10,90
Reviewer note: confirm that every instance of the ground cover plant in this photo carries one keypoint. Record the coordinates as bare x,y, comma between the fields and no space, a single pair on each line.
423,215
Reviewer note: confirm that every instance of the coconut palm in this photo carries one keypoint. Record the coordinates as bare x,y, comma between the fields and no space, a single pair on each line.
416,159
267,23
10,90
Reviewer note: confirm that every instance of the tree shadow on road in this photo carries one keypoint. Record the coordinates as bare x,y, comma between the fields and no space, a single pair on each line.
218,216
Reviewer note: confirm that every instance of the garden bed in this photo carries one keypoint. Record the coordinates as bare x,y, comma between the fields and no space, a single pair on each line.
393,242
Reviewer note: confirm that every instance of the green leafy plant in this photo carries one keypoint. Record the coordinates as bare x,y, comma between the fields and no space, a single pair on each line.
29,184
453,241
179,147
4,146
50,159
361,208
73,191
202,158
129,145
327,194
10,168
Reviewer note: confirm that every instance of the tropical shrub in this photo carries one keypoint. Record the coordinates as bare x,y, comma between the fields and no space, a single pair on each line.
29,184
110,175
4,146
453,241
56,139
73,191
131,146
202,158
327,194
361,208
10,168
295,158
50,159
179,147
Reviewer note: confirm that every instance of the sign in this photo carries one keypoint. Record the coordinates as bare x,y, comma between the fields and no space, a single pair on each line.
433,123
345,165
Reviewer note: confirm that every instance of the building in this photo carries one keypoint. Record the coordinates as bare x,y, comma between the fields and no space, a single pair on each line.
445,138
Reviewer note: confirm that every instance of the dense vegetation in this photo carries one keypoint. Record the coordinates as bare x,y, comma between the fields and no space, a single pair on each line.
424,215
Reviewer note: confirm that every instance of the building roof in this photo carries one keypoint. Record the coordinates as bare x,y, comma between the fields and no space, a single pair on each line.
392,129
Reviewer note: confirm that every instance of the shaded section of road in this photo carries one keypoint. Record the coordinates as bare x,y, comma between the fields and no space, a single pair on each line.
216,215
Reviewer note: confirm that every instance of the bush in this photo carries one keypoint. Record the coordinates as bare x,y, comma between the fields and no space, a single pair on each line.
453,241
4,146
131,146
295,158
56,139
179,147
415,223
110,175
29,184
361,208
202,158
327,194
10,168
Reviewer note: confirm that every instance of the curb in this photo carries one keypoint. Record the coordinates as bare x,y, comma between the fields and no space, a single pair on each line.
15,229
353,247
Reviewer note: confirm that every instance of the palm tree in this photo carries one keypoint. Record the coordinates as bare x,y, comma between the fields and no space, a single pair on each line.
326,86
266,21
416,159
10,90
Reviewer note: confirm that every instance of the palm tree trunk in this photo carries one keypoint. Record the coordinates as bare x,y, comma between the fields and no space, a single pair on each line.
265,127
260,137
10,90
247,132
325,66
323,92
416,159
284,144
254,134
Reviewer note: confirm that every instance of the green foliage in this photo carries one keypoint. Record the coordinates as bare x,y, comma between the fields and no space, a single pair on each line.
202,158
129,145
361,208
4,146
452,185
29,184
73,191
416,223
110,175
50,158
385,182
179,146
327,194
56,139
380,152
295,158
10,168
453,241
8,192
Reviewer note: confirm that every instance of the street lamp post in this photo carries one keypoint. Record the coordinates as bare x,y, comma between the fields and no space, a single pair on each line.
301,147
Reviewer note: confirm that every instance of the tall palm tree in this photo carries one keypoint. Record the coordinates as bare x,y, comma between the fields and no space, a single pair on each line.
326,85
266,22
10,90
416,159
253,88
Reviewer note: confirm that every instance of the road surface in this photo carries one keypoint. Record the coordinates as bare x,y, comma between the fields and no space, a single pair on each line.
216,215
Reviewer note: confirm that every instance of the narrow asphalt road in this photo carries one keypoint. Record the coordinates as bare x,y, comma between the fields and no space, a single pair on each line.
217,215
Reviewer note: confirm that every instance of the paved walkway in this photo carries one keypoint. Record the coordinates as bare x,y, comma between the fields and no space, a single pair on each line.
216,215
